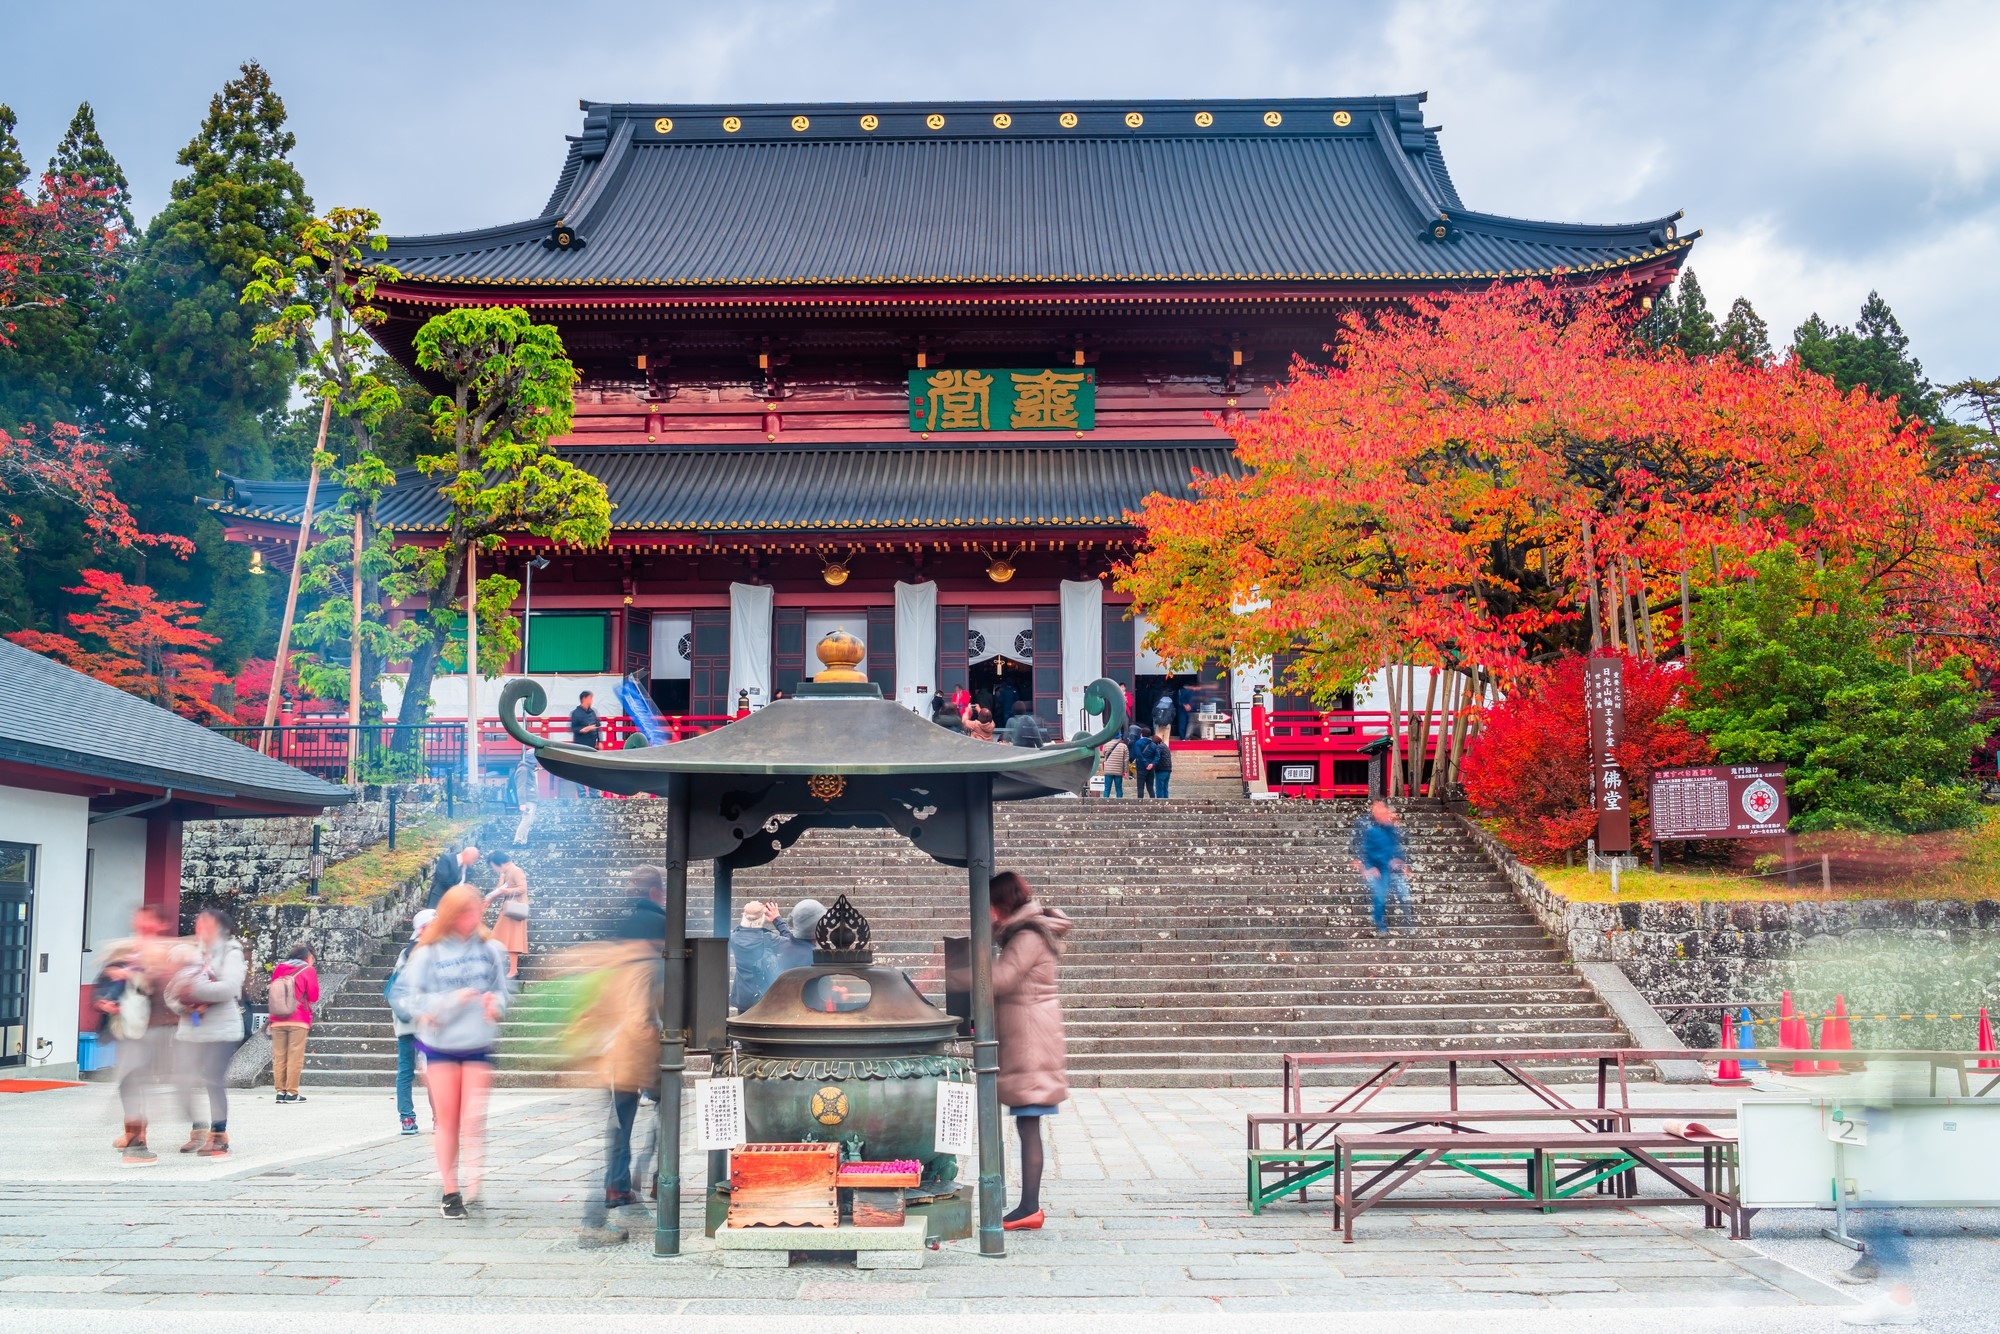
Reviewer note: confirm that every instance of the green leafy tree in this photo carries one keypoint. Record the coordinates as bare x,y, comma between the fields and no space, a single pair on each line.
512,390
325,295
1793,666
1874,355
209,396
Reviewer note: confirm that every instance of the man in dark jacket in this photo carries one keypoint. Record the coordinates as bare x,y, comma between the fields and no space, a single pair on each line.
1145,754
452,867
1184,712
1385,868
1026,728
1163,766
586,729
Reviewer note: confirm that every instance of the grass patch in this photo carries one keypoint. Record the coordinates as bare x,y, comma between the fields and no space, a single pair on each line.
373,871
1954,864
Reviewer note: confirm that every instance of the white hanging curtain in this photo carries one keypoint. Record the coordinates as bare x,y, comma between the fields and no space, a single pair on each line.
1006,634
916,645
1082,645
672,647
749,644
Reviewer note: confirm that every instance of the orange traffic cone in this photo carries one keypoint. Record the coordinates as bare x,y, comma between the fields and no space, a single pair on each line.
1986,1041
1835,1035
1788,1029
1727,1072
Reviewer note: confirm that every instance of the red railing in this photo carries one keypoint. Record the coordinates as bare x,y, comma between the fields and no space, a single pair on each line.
1315,754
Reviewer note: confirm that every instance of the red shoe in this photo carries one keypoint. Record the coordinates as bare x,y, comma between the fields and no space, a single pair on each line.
1032,1223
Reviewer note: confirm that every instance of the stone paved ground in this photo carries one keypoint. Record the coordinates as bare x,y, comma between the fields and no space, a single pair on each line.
326,1211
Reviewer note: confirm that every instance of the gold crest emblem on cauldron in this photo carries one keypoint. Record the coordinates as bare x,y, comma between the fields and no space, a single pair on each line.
826,786
829,1106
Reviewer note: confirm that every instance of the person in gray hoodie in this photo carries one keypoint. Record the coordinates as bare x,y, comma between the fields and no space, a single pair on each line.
207,992
454,987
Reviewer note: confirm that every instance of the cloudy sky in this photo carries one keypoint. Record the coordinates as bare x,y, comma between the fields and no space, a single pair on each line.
1823,148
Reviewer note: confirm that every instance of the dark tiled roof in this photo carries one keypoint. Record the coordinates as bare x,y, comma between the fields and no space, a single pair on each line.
55,718
1193,192
706,488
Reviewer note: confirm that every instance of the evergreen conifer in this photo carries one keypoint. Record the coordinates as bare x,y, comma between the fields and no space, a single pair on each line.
1874,354
13,167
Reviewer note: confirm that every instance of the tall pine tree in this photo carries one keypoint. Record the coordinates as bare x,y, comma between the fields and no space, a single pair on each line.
209,399
1745,335
82,155
13,167
1874,354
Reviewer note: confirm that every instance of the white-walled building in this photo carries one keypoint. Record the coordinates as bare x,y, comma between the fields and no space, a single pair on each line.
94,787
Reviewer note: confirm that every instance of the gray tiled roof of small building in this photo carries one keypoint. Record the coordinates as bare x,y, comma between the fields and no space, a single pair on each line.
936,485
55,718
1167,201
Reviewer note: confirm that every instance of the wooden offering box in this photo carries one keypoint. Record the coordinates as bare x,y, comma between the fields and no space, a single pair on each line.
878,1190
784,1185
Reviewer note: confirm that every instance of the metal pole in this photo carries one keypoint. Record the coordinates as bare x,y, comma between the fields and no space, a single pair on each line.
472,669
985,1040
392,819
673,1022
725,875
527,617
354,665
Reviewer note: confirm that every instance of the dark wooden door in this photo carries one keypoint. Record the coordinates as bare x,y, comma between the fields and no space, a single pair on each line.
638,645
1118,645
953,674
708,662
788,650
1048,668
882,649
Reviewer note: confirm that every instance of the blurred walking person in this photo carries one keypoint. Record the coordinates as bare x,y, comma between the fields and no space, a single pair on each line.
143,1024
207,992
1385,868
404,1022
294,991
455,989
510,923
620,1027
1027,1012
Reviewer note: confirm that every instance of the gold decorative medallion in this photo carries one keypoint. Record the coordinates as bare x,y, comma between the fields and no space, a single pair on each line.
801,124
1133,120
663,126
1439,231
1001,120
1274,119
826,786
731,124
829,1106
934,120
1067,120
871,122
1343,118
1204,118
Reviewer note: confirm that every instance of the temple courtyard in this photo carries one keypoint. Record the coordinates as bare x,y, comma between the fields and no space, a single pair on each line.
324,1211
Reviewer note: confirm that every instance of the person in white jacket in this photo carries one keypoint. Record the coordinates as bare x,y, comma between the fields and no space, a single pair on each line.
454,987
207,992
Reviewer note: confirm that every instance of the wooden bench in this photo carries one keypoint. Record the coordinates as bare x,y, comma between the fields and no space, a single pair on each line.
1398,1157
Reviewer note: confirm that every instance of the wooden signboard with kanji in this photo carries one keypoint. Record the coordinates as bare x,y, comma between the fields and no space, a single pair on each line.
1604,703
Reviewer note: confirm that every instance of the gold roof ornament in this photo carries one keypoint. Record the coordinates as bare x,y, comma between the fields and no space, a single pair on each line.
840,654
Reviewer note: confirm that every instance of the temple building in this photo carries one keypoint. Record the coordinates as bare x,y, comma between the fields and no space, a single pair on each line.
909,369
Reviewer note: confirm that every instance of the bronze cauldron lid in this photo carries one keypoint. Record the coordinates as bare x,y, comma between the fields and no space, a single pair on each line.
836,1004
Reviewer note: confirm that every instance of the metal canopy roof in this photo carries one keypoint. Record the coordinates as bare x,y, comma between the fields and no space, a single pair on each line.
810,487
57,719
858,733
1150,193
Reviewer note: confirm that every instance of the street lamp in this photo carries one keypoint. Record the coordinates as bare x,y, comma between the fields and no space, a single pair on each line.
528,609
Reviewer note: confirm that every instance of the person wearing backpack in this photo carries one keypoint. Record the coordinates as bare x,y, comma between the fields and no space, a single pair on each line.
294,991
404,1022
207,994
1163,766
1163,711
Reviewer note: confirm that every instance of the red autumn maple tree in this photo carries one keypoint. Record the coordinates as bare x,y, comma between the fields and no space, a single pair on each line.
1529,766
143,644
1470,468
52,246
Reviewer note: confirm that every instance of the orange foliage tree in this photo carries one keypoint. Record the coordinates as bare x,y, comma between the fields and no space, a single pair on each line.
144,645
1478,475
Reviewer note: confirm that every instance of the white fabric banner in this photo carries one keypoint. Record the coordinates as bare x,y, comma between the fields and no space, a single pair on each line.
1145,662
673,638
1082,646
749,644
916,645
1007,634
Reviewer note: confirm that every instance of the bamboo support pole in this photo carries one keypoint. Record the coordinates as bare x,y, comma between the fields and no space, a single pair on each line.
292,593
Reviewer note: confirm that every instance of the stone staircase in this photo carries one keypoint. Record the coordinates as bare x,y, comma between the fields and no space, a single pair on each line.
1211,936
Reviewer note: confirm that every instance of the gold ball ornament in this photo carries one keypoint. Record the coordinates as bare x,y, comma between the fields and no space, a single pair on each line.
840,653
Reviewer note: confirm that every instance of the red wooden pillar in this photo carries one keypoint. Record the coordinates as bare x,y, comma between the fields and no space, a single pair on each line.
163,864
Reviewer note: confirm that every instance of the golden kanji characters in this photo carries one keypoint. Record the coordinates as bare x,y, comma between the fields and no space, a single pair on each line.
1046,401
960,401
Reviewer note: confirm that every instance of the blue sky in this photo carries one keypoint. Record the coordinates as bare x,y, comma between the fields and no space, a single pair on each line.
1824,148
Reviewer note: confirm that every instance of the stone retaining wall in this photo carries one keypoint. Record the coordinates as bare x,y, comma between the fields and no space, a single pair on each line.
1919,957
227,861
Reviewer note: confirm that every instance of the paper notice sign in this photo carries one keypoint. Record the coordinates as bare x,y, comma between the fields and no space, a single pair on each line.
718,1113
957,1119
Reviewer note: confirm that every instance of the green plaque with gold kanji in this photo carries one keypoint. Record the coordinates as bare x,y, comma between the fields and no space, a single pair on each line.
1003,400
